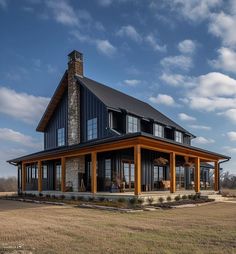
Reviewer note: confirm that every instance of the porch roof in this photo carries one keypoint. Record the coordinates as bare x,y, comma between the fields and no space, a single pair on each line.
120,142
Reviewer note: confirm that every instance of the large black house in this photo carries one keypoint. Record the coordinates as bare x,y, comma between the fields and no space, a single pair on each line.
97,139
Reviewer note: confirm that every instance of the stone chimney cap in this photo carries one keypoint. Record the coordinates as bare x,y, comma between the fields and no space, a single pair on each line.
75,56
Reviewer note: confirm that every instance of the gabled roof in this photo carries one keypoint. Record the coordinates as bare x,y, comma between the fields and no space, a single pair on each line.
53,103
115,99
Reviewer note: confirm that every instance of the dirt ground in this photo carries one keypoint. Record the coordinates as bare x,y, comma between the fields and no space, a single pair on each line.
32,228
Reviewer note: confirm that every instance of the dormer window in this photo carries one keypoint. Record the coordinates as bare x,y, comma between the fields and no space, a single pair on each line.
178,136
92,129
132,124
158,130
61,137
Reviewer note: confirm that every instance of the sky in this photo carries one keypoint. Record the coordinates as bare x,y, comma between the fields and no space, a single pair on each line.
177,55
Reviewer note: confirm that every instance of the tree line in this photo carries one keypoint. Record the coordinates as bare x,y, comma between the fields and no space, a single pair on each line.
228,181
8,184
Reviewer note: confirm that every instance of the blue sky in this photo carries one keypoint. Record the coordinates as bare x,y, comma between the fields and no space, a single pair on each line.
180,56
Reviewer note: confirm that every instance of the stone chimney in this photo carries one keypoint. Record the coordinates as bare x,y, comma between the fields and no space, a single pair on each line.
75,67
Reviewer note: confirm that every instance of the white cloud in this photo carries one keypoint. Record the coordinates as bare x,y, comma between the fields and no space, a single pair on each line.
185,117
194,10
226,60
223,26
200,127
63,13
132,82
177,80
203,141
17,137
105,47
215,84
130,32
180,62
162,99
230,114
22,106
187,47
105,3
231,135
150,39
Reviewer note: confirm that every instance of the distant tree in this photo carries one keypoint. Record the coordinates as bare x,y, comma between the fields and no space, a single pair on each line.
8,184
228,180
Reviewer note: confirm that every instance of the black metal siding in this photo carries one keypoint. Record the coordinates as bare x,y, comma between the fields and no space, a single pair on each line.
92,107
58,120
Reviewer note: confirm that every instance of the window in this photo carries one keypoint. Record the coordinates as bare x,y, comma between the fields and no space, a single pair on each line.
61,137
92,129
33,172
28,174
178,136
108,169
45,171
158,130
132,124
58,176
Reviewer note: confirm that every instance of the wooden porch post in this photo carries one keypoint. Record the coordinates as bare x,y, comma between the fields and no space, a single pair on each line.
63,174
94,173
172,173
217,176
197,175
137,173
23,177
40,176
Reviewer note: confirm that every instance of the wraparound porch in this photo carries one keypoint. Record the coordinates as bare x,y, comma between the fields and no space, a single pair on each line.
169,152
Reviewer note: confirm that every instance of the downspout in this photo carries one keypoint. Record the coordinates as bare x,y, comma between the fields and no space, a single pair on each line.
219,172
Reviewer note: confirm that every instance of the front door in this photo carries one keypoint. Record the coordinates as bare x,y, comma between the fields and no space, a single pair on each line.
128,175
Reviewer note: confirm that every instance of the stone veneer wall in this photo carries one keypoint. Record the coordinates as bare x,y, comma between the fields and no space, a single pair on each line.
74,166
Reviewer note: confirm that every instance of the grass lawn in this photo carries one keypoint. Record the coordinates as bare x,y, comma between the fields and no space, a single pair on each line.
53,229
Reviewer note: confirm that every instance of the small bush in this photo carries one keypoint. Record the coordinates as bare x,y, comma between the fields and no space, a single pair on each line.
168,198
195,197
150,200
91,199
48,196
121,200
54,196
62,196
190,196
80,198
72,197
40,194
140,201
177,198
101,199
184,197
133,201
161,199
198,195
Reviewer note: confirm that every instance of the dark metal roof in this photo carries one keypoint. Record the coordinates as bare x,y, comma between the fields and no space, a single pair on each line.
115,99
59,150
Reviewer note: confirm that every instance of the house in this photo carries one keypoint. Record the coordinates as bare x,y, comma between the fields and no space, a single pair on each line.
97,139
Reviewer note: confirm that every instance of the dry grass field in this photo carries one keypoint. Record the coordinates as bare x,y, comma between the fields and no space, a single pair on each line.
52,229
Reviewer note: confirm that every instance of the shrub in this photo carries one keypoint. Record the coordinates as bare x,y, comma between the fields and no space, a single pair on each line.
80,198
54,196
91,199
102,199
161,199
198,195
48,196
40,194
190,196
150,200
72,197
133,201
177,198
62,196
168,198
195,197
121,200
140,201
184,197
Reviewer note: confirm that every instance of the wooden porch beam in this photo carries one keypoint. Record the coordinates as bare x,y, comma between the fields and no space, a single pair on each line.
23,177
137,173
217,176
172,173
197,175
40,176
63,174
94,173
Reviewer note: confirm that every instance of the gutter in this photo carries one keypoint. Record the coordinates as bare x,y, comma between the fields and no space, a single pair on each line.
221,162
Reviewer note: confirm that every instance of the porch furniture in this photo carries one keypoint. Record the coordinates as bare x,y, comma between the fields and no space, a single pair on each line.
165,184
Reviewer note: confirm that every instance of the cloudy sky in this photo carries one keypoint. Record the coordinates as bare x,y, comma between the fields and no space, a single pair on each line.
180,56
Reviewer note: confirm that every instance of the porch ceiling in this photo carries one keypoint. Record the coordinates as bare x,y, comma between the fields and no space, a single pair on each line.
127,141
